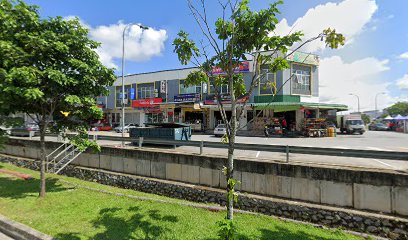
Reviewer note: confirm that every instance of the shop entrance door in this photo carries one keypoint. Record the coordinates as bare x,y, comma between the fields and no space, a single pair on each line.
218,118
289,116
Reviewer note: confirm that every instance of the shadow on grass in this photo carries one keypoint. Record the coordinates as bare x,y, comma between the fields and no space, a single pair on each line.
144,225
16,188
68,236
280,233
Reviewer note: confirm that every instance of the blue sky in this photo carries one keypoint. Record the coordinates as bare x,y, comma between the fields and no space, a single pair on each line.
372,61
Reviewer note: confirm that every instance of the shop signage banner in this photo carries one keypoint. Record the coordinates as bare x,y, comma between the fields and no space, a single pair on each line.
225,99
305,58
152,110
132,93
190,97
243,67
163,86
167,106
149,102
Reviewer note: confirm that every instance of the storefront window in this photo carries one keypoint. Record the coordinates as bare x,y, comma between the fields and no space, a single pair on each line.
118,91
145,90
189,89
267,82
154,117
301,79
224,89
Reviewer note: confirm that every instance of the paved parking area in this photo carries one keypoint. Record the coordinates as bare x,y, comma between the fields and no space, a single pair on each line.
371,140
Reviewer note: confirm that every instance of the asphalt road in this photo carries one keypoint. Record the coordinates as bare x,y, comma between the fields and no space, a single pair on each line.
384,141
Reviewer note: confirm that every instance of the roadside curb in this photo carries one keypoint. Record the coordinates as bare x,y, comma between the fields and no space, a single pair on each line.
20,231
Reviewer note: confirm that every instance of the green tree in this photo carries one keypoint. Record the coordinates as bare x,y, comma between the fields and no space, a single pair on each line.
398,108
49,66
366,119
240,34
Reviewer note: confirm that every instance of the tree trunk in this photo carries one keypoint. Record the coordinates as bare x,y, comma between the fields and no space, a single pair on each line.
231,148
43,159
230,175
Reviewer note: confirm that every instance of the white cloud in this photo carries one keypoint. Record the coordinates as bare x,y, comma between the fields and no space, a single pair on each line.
402,83
139,45
338,79
348,17
404,55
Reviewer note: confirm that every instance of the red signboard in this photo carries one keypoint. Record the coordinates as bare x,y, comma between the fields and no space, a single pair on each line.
148,102
242,67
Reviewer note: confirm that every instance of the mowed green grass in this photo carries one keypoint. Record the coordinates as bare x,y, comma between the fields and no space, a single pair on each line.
76,213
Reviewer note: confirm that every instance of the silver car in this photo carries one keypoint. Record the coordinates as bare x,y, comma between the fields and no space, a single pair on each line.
25,131
220,130
126,128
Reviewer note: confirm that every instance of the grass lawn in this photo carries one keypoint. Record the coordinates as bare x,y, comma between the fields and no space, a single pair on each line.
76,213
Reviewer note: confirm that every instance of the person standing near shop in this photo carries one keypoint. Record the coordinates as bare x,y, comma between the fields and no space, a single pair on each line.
284,126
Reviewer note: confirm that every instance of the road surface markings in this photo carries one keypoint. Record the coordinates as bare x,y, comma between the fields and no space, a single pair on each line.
386,164
257,154
376,148
341,147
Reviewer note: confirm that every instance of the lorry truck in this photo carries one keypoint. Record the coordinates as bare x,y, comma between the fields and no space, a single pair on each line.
350,124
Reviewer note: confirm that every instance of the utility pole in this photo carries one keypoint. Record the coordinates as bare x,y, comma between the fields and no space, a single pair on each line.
376,109
358,101
123,78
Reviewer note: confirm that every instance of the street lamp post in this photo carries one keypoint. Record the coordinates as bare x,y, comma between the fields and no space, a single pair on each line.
376,109
123,77
358,101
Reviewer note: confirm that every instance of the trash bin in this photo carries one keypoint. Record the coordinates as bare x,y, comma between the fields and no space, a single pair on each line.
331,132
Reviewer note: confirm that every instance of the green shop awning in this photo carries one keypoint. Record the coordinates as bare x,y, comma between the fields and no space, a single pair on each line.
291,106
277,106
326,106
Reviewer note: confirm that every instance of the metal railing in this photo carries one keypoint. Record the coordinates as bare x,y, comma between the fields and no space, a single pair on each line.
387,155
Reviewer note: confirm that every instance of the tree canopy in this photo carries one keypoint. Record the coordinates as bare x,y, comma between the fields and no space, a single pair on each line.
398,108
366,119
49,66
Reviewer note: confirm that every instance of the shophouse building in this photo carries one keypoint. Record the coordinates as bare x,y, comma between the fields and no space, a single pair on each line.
162,97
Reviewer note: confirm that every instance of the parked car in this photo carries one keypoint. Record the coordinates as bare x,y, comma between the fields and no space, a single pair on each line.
378,127
126,128
220,130
25,131
6,129
102,128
